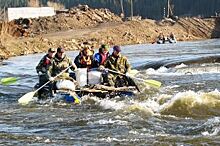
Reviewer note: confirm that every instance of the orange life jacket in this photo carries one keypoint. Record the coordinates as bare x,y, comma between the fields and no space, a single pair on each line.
86,60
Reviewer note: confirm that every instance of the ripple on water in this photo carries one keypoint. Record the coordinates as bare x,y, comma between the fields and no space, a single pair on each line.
184,111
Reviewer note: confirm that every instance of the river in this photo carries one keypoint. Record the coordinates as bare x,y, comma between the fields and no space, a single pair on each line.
184,111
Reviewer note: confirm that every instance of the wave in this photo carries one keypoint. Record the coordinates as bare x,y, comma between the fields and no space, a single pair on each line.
182,69
212,127
192,104
173,62
183,104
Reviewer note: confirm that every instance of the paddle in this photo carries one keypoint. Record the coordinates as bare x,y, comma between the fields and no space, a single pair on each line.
152,83
11,80
28,97
8,80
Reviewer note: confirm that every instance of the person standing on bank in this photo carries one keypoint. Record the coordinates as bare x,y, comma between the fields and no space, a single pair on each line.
43,67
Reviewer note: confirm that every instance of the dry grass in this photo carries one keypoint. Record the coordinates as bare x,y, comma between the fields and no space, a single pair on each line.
4,33
4,28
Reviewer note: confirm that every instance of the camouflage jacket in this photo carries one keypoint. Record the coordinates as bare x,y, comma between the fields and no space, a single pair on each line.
44,64
59,65
120,64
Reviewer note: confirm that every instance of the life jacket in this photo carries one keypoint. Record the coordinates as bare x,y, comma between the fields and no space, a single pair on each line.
103,58
86,60
47,61
44,64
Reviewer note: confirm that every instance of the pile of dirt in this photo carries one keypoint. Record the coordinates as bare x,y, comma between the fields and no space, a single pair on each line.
81,25
78,17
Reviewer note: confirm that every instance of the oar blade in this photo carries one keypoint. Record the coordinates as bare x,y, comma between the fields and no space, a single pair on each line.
133,72
153,83
27,98
8,81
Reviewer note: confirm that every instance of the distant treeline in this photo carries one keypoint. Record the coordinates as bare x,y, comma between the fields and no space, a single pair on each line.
153,9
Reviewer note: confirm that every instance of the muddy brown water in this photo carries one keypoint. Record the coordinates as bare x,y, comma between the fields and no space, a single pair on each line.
184,111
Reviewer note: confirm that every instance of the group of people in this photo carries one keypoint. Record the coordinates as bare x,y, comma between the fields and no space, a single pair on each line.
161,39
56,61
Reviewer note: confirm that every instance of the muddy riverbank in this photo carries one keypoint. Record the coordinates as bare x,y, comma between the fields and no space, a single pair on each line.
72,28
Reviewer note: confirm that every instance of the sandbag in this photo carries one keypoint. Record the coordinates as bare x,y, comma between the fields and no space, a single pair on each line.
94,77
81,76
65,85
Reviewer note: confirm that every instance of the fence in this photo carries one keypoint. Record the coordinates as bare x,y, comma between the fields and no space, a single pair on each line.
29,12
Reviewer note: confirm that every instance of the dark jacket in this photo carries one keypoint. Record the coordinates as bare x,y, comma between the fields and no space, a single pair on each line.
44,64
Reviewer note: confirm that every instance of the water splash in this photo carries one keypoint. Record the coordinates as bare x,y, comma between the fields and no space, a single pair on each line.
193,104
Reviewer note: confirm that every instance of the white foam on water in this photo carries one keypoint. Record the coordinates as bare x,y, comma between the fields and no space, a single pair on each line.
109,121
181,95
112,104
214,133
163,71
183,69
134,132
150,105
199,69
89,99
125,107
191,103
158,71
214,123
180,66
48,141
112,139
173,86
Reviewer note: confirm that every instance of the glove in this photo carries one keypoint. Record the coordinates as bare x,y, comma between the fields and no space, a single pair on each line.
101,67
51,79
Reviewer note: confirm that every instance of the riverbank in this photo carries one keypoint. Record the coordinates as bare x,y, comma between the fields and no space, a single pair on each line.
96,26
